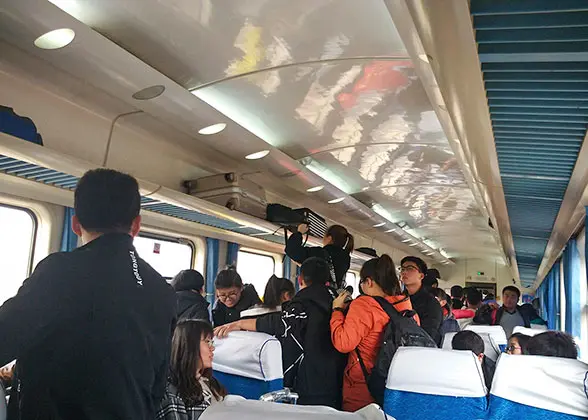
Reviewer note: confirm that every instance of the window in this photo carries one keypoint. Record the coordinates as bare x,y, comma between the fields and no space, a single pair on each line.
352,279
17,234
255,269
166,255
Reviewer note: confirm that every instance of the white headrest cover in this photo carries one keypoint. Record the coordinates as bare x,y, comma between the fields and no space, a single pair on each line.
249,354
238,408
527,331
550,383
447,340
495,331
490,348
418,369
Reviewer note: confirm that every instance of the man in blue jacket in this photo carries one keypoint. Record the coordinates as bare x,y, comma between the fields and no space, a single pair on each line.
91,329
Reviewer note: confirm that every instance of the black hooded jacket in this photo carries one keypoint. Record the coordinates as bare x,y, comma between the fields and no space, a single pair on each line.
222,314
430,313
312,366
339,257
191,305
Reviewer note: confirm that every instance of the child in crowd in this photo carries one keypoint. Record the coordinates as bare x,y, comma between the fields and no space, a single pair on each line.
553,343
469,340
232,297
517,344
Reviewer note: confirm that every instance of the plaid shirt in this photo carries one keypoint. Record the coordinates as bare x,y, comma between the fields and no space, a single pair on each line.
172,407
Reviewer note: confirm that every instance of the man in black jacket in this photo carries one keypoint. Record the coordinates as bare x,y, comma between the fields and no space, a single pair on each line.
412,273
91,328
189,285
312,366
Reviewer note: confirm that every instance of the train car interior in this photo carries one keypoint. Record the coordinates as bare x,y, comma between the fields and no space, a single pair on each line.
453,131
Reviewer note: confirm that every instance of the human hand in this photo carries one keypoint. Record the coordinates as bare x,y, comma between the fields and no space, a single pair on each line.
342,301
224,330
303,228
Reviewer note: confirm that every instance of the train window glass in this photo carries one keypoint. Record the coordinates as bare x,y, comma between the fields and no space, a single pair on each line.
255,269
167,256
352,279
17,233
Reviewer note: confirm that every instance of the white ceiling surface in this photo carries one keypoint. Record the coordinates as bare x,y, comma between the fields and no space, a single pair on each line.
326,83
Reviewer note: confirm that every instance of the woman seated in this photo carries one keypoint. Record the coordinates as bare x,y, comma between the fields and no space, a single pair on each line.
232,297
277,291
363,326
449,324
517,344
191,388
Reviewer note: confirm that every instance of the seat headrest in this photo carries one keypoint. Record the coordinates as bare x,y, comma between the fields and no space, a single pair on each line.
548,383
527,331
495,331
414,369
249,354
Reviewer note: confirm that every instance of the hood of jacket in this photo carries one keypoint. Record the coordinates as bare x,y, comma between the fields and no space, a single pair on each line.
188,298
320,296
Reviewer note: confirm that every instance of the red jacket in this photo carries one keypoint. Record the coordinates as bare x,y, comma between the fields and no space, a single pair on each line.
361,328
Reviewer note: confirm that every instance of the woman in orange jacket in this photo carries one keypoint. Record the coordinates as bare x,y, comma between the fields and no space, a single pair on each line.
363,326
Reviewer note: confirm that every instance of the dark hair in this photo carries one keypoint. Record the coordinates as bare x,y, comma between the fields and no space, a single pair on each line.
315,270
512,289
188,280
474,296
431,279
468,340
483,315
368,251
341,237
185,357
523,341
457,291
421,265
490,296
440,294
107,201
274,289
382,271
434,273
553,343
228,278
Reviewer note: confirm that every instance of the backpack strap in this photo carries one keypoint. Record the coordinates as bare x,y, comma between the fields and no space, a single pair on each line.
366,375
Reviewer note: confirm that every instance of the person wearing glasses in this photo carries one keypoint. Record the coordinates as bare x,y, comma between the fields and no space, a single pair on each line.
517,344
191,388
412,273
232,297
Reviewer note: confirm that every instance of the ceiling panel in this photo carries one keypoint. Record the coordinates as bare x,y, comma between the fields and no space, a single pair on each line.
199,41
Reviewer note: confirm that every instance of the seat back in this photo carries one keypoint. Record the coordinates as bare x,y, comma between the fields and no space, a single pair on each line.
248,363
491,349
539,387
429,383
528,331
495,331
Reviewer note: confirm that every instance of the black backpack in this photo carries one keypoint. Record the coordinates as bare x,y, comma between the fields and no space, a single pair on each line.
401,331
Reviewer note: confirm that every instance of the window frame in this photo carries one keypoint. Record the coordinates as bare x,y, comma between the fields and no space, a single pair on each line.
173,239
35,221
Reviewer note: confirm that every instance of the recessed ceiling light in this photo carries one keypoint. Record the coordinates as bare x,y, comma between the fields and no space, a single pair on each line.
337,200
425,57
257,155
365,188
56,39
391,230
212,129
315,189
406,240
379,224
149,93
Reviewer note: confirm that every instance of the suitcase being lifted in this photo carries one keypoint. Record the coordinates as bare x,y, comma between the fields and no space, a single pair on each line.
232,191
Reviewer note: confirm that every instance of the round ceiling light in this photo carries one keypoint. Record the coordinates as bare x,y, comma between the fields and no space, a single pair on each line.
56,39
149,93
337,200
212,129
379,224
315,189
257,155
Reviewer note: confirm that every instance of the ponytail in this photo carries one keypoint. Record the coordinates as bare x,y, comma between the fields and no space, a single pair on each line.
382,271
274,289
440,294
341,238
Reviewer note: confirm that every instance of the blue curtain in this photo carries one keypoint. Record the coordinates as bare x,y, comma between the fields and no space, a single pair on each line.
572,279
553,298
232,253
287,267
69,240
211,267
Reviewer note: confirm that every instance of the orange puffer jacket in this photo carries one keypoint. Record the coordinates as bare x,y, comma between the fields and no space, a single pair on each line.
362,328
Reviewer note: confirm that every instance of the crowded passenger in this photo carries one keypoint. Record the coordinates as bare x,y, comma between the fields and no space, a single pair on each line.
431,280
312,366
91,328
449,323
511,315
465,316
337,246
191,388
189,287
517,344
232,297
412,272
277,291
469,340
456,297
359,331
554,344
